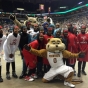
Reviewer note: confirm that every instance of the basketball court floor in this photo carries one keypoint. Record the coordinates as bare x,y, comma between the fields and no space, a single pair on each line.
21,83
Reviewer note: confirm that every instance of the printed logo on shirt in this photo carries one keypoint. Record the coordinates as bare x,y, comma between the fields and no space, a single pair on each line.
84,37
14,42
55,60
57,55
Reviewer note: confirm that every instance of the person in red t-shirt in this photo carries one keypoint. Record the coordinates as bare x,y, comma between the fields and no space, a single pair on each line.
72,45
82,46
30,59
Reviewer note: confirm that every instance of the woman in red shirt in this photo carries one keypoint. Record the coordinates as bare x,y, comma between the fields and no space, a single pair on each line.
82,46
30,59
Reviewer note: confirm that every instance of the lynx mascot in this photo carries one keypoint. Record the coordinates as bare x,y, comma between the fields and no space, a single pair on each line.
54,52
31,20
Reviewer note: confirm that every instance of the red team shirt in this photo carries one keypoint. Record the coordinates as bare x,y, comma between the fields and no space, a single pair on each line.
31,59
72,46
83,45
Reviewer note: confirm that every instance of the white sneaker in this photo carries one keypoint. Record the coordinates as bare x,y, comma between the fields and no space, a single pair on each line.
34,76
69,84
29,78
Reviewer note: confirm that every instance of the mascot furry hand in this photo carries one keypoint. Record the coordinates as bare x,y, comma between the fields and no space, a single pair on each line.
12,17
55,52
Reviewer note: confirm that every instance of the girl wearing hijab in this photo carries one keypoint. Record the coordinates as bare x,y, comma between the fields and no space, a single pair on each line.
10,46
31,60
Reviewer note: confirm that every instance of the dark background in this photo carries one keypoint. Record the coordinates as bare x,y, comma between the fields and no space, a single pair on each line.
33,5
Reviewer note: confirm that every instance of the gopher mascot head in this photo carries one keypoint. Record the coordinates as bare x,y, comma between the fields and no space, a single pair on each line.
55,45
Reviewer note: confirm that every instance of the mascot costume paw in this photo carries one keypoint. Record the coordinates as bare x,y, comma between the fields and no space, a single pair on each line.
55,52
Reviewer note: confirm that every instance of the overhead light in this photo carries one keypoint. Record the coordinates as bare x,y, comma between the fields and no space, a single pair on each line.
80,3
63,7
41,6
20,9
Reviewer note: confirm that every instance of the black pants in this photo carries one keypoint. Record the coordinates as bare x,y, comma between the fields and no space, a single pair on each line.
39,65
81,65
8,66
65,61
0,71
46,68
24,68
31,71
73,66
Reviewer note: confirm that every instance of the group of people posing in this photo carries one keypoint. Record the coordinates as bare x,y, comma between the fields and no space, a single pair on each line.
37,37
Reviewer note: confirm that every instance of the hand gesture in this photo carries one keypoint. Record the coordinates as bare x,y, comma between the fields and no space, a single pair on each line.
81,54
11,55
27,47
12,17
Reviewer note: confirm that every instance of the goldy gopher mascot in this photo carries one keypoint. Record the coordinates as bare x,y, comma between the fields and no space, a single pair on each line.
54,52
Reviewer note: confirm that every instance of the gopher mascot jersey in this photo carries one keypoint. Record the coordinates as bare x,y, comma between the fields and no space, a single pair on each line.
55,59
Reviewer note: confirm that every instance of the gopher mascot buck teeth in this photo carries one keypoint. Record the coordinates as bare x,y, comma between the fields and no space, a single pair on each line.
55,52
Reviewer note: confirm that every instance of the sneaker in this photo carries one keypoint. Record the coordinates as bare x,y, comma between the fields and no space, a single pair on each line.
69,84
22,76
34,76
29,78
14,75
8,76
1,80
84,73
40,74
26,78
